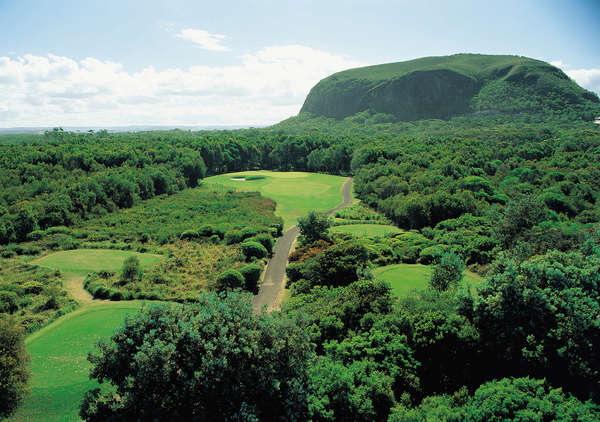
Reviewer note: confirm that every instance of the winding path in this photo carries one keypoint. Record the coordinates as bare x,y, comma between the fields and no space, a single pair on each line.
273,283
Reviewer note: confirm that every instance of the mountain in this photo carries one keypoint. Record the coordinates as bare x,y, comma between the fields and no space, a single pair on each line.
442,87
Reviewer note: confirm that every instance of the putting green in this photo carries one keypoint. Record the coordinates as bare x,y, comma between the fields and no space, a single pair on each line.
296,193
406,277
84,261
59,361
366,230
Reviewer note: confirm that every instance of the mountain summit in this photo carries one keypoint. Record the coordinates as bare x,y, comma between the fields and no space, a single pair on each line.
446,86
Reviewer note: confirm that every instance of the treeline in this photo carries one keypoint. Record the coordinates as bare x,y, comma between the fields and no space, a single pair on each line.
61,178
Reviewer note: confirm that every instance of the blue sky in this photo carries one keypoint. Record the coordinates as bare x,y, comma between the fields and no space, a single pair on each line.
251,63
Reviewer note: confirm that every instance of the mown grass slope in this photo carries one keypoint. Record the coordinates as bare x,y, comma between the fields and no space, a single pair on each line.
59,361
368,230
85,261
296,193
406,277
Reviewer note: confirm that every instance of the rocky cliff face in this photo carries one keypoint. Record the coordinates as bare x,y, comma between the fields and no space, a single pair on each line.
442,87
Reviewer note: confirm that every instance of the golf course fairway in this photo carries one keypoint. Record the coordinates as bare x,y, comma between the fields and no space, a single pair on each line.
406,277
366,230
84,261
296,193
59,360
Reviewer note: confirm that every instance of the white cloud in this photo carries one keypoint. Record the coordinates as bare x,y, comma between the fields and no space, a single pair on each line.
587,78
204,39
263,88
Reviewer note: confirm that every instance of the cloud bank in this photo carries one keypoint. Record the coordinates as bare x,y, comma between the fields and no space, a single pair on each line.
587,78
203,39
263,88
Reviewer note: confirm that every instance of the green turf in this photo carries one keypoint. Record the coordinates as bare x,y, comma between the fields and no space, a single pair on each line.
85,261
58,361
296,193
368,230
406,277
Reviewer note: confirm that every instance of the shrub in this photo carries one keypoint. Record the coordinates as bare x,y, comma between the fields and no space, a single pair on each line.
448,272
8,301
314,226
229,280
58,230
254,250
131,270
248,232
33,287
36,235
189,235
251,274
233,236
205,231
14,366
264,239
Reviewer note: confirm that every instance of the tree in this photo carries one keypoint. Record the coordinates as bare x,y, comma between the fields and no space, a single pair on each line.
508,399
314,226
252,250
230,280
448,272
131,270
213,360
14,366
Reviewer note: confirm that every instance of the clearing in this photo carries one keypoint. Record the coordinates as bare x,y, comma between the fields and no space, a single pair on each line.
366,230
85,261
296,193
406,277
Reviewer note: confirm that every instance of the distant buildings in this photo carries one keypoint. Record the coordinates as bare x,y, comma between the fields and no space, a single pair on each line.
597,121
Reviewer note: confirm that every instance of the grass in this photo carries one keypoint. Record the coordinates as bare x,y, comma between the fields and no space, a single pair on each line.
59,361
368,230
84,261
404,278
296,193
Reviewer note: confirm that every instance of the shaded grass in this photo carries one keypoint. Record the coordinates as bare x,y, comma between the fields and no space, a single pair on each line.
296,193
85,261
404,278
368,230
59,360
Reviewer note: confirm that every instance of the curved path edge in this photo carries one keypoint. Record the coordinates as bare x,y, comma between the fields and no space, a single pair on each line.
271,288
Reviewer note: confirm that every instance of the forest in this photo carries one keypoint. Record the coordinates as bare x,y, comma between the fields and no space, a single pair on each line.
512,197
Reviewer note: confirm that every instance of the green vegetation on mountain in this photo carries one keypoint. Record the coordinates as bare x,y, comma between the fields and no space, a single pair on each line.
442,87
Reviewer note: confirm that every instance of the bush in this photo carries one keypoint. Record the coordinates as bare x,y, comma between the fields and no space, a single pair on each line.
131,270
254,250
189,235
8,301
248,232
205,231
36,235
251,274
33,287
448,272
14,366
230,280
264,239
233,236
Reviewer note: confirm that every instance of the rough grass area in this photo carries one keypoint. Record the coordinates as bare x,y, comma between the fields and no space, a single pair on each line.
406,277
85,261
366,230
296,193
59,361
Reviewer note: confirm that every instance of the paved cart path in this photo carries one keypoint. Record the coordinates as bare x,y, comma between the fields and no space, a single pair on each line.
273,283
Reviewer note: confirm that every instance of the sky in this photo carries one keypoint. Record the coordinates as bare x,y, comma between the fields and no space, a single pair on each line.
251,63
